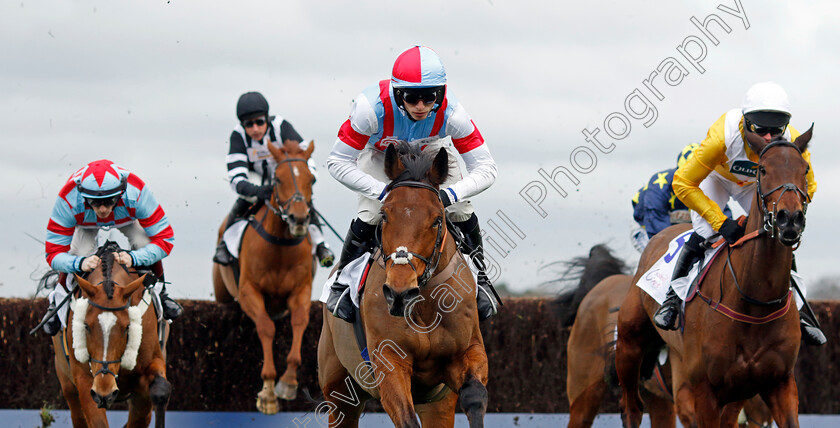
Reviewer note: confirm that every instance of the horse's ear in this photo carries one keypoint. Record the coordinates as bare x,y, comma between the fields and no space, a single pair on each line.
129,289
803,140
393,165
439,171
276,152
88,288
756,143
308,152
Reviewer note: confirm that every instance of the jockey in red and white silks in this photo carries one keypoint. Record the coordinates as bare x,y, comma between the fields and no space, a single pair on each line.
414,106
137,214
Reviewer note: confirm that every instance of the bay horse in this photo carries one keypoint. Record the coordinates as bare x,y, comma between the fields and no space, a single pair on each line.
417,312
592,311
111,349
746,340
276,269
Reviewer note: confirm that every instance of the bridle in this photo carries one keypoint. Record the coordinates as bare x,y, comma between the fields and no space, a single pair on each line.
403,256
105,364
282,208
771,216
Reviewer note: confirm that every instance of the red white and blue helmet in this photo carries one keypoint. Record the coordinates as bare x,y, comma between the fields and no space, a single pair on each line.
418,67
101,179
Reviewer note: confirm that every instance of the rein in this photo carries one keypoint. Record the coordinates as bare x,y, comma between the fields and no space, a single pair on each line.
403,256
281,210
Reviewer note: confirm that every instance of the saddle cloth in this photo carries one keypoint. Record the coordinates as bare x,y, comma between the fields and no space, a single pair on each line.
350,275
657,279
233,237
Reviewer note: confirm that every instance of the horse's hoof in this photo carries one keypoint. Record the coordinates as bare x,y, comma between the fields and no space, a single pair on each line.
285,390
268,406
266,400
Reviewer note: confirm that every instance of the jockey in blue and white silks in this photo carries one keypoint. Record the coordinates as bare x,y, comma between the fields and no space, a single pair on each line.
414,106
99,195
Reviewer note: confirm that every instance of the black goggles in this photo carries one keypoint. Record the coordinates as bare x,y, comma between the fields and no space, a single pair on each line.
762,130
428,96
249,123
103,202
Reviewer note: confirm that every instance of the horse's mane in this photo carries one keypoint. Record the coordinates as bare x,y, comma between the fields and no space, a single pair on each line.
417,163
106,254
589,271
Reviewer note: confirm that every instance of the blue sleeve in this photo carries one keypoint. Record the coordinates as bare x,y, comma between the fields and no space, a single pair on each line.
656,208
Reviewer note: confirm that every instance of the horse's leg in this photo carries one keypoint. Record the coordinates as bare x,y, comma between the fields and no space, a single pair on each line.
298,304
783,401
335,382
583,410
139,411
707,410
159,391
468,376
71,394
661,411
440,414
253,304
729,414
685,406
634,330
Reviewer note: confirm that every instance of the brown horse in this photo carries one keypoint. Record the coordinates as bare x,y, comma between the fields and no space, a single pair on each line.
418,313
592,310
591,349
110,350
746,340
275,262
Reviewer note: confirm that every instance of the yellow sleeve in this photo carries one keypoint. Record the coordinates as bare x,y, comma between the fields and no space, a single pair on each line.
812,182
687,179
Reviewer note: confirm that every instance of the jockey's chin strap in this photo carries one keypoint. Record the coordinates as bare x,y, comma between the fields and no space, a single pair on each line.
402,256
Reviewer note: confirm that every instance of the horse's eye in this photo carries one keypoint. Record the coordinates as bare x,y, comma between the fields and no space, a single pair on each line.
761,170
126,331
384,217
87,328
438,222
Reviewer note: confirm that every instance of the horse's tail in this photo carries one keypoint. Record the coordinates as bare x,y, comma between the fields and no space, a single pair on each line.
589,271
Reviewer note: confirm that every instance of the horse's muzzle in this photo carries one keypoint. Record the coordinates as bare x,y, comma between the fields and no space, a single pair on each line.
398,302
104,402
790,226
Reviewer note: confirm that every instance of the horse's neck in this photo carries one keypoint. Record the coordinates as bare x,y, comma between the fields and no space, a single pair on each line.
273,224
764,271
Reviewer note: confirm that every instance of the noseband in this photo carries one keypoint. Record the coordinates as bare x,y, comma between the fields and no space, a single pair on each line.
771,216
402,256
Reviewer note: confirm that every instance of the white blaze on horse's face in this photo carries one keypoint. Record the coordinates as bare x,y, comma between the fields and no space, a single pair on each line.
295,171
107,321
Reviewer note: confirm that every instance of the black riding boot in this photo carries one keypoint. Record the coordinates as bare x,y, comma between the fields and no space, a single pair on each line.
811,332
322,251
240,207
668,314
53,325
171,308
486,296
357,242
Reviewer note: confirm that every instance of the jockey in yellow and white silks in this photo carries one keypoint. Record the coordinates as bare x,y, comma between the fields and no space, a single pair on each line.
724,166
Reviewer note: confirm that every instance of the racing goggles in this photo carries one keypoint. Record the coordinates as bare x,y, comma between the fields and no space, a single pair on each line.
249,123
762,130
413,96
103,202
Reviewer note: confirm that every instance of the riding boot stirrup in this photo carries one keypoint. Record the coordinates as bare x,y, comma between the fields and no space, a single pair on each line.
667,316
811,334
53,325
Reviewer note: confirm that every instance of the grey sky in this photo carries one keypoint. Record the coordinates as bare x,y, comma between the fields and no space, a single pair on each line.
153,85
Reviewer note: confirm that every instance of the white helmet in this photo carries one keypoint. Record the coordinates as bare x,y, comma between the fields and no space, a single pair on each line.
766,104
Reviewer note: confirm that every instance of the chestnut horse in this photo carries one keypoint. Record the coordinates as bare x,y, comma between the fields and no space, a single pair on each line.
592,311
746,340
275,262
110,350
418,313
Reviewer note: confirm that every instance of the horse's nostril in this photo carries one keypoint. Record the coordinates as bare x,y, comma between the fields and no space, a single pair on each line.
783,218
799,219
